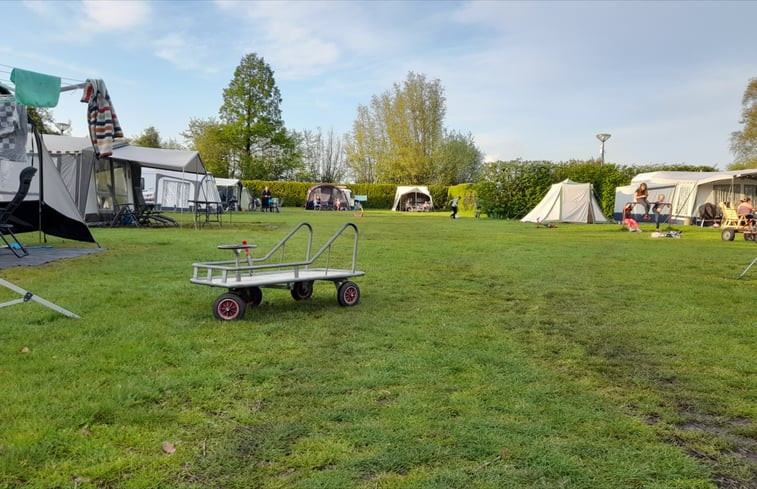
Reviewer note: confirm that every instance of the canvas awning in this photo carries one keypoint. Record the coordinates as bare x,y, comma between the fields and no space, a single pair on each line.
167,159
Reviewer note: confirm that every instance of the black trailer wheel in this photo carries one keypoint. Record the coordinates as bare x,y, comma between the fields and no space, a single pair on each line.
348,294
728,234
253,296
302,290
229,307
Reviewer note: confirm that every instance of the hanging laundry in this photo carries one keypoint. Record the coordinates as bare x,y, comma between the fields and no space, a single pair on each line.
13,129
102,118
35,89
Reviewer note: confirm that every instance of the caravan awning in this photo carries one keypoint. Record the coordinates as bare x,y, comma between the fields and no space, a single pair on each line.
167,159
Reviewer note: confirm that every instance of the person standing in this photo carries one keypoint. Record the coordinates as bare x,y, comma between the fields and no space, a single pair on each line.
453,204
265,199
657,210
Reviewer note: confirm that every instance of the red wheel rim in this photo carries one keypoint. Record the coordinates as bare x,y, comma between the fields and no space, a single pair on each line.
350,295
228,309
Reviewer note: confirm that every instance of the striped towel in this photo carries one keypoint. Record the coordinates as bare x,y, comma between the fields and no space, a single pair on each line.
103,121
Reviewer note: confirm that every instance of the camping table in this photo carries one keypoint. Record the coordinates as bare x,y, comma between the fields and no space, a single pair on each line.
205,208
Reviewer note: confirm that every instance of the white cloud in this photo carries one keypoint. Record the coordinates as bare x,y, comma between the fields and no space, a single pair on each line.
115,14
182,53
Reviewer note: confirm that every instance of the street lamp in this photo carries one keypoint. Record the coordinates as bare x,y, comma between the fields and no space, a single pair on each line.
602,137
63,127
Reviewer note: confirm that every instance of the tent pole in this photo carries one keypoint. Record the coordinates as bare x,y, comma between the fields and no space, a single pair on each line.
42,237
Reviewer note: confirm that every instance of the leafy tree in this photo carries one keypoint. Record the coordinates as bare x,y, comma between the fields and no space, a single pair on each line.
173,144
253,127
367,146
456,160
323,156
208,137
43,119
744,142
394,139
150,138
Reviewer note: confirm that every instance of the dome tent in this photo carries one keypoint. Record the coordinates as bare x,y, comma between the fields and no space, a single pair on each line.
567,201
327,194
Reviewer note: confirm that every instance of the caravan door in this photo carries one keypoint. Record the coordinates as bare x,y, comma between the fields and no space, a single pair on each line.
175,194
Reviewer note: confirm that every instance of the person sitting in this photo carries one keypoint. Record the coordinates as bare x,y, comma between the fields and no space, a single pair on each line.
629,221
746,210
641,194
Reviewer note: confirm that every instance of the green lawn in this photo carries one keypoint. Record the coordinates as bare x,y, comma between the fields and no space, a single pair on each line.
483,354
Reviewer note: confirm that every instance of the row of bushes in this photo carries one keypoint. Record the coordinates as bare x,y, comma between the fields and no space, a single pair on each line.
507,190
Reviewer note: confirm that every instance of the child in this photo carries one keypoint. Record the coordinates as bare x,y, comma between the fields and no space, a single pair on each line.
657,210
629,221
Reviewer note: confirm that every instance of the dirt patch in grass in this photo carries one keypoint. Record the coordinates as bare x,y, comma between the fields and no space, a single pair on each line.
725,444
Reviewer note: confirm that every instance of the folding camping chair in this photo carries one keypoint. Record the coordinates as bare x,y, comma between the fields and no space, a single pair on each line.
6,228
146,214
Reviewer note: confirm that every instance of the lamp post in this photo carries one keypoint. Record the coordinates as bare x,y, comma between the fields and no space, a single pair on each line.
602,137
63,127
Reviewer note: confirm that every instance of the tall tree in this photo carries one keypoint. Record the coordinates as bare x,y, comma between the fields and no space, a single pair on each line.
208,137
396,136
744,142
366,146
456,160
254,128
150,138
323,156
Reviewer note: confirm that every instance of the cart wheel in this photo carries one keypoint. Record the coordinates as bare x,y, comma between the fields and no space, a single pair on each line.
749,236
348,294
302,290
253,296
728,234
229,307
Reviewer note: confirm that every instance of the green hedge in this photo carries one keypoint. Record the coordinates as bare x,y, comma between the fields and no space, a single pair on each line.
293,194
507,190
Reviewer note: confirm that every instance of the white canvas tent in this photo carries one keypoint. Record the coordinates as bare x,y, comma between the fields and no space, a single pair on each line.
232,190
567,201
688,191
48,207
96,184
417,194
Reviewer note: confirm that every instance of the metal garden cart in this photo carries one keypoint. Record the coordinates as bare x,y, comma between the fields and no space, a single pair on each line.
245,276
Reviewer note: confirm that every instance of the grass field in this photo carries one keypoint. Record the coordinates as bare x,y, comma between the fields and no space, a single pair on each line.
483,354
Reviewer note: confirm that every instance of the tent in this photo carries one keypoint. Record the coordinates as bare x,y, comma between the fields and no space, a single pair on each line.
687,192
328,195
48,207
96,184
415,195
232,190
567,201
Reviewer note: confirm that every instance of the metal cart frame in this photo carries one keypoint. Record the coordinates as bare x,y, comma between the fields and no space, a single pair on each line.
245,276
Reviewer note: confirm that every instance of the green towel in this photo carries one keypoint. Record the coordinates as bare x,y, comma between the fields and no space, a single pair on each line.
35,89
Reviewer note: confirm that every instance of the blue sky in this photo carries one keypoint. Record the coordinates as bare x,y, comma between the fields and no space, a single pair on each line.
531,80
